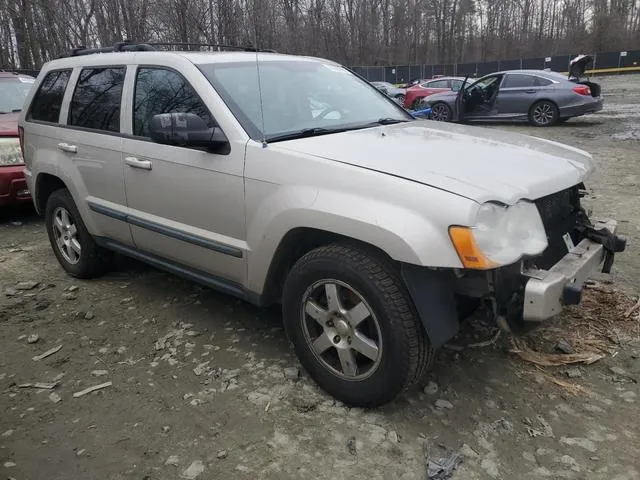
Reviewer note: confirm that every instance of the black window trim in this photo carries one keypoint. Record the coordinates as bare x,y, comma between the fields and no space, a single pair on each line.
95,130
28,118
133,100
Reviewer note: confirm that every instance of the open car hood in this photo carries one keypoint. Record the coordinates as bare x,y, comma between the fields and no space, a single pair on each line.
578,65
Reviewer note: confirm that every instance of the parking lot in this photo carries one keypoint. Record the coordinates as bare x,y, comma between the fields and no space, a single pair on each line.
195,384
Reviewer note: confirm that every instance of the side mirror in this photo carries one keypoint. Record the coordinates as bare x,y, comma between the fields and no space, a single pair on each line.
186,130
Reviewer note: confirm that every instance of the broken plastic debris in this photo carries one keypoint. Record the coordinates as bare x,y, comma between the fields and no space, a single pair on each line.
92,389
443,468
47,353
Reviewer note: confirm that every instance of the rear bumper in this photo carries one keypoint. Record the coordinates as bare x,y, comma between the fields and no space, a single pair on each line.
590,105
13,186
547,291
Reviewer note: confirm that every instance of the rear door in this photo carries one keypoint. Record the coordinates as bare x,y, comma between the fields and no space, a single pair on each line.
517,93
186,205
91,144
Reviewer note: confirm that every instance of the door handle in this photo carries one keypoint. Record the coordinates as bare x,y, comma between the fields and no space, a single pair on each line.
530,91
65,147
135,163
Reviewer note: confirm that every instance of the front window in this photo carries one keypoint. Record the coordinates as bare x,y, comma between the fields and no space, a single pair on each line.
13,93
299,96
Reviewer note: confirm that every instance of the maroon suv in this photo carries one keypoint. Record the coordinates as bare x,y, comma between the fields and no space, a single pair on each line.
13,91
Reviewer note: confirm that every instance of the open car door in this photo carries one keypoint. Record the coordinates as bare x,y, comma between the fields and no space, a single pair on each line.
458,109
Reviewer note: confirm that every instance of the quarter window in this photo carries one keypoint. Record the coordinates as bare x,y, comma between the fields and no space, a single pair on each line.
96,100
47,101
438,84
159,90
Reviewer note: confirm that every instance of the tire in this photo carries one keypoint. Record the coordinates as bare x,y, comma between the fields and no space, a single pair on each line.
441,112
371,284
543,114
72,243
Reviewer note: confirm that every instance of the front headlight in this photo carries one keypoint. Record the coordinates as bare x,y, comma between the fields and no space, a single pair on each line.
501,235
10,153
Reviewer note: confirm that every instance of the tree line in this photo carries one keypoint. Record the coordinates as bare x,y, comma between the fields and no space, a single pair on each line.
353,32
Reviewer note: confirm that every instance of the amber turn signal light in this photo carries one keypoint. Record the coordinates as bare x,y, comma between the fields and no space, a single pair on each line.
468,250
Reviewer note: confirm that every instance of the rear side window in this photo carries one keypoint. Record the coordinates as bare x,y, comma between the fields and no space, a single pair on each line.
438,84
96,100
518,80
47,101
159,90
542,82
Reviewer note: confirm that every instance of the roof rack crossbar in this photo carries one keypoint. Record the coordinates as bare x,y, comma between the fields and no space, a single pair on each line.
129,46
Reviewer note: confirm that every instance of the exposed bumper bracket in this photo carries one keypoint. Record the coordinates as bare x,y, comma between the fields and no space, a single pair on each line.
547,291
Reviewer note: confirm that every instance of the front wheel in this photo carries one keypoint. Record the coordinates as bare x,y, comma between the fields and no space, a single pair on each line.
543,114
441,112
353,325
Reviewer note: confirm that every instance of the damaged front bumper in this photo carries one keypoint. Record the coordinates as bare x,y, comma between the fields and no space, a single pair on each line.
547,291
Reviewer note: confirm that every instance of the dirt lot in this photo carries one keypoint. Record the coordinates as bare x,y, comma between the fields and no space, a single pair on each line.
197,380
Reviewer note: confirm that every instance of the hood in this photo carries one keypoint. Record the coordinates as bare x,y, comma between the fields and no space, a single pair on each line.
578,65
477,163
9,124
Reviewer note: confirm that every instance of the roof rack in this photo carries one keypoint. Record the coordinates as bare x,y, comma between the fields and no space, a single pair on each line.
129,46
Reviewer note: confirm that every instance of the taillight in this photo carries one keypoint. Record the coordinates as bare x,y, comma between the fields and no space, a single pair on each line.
21,136
582,90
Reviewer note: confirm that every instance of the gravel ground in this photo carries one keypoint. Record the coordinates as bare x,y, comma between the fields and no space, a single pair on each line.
199,385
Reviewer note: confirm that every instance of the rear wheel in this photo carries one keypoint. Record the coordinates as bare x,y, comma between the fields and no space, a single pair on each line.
72,243
543,114
353,325
441,112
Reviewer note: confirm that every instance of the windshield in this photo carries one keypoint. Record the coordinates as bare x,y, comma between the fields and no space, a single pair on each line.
13,93
298,95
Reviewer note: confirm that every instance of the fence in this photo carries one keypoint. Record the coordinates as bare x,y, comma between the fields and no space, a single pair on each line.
607,62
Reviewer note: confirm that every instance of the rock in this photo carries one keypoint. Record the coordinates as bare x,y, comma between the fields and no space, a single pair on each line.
99,373
617,371
81,452
564,347
195,469
54,397
440,403
259,399
351,446
392,436
431,388
33,338
121,350
166,428
9,464
10,292
103,350
222,454
291,373
573,372
128,300
27,285
8,433
89,315
580,442
72,288
172,460
69,296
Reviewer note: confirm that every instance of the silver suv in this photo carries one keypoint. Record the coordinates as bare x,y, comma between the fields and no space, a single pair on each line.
284,179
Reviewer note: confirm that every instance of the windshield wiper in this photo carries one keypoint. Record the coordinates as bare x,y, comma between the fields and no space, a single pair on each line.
389,121
304,133
16,110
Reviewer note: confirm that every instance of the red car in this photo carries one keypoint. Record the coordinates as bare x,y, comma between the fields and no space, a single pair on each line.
428,87
13,91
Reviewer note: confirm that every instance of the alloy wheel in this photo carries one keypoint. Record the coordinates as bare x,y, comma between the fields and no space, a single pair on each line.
66,235
543,114
440,112
341,329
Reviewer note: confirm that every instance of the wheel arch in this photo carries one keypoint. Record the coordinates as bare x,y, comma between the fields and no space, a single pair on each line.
45,185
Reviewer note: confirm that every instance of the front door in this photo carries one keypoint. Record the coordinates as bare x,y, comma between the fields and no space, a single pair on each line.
186,205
